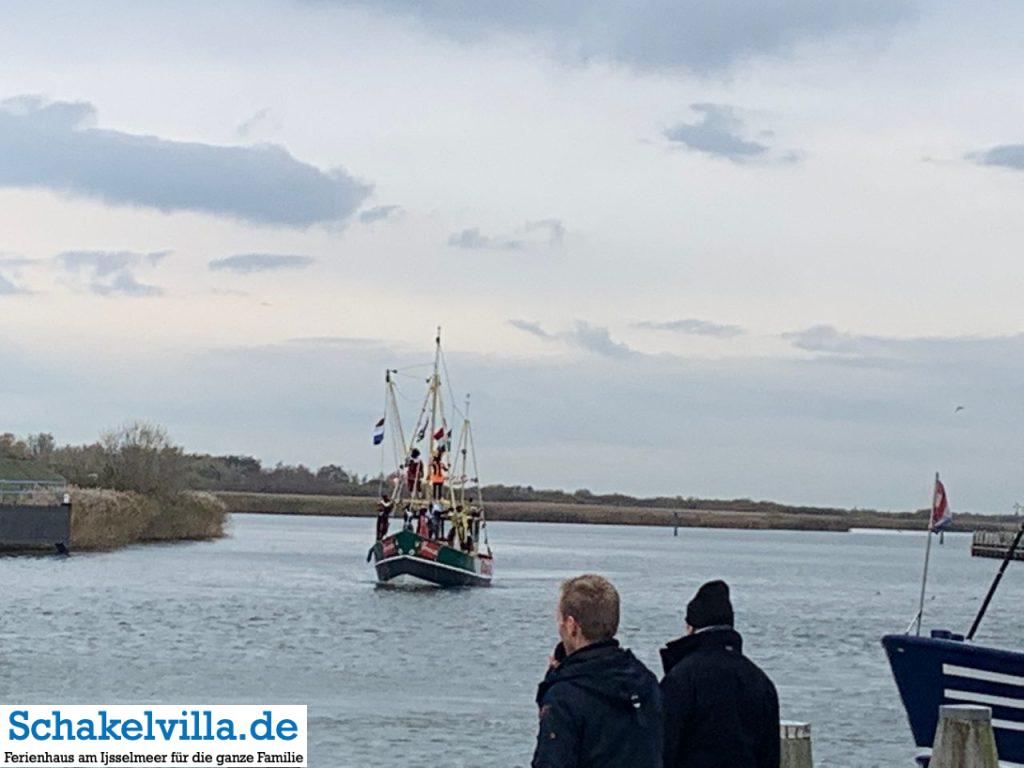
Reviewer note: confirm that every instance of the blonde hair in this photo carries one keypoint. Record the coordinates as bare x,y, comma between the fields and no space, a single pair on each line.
594,603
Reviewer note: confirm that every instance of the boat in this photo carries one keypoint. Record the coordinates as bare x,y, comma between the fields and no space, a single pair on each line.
945,668
949,668
443,539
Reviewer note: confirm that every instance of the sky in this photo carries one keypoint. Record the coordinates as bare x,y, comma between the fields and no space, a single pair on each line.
735,249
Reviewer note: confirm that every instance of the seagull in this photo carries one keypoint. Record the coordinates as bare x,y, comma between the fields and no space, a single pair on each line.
958,409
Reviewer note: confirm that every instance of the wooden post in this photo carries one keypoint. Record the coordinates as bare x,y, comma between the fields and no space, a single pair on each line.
964,738
795,743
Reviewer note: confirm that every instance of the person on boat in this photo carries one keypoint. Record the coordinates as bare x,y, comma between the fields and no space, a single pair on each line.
720,709
599,705
384,509
407,518
475,517
423,523
437,470
436,520
414,472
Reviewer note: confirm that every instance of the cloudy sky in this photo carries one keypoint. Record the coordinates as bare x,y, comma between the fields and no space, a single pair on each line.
758,249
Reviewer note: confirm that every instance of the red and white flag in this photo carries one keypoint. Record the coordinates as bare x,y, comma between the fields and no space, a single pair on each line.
941,516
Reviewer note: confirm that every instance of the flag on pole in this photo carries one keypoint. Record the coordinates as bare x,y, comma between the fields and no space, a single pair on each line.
422,433
439,434
941,516
378,432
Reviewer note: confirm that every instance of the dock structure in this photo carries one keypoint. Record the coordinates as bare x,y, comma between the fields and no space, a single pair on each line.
994,544
34,516
964,738
795,745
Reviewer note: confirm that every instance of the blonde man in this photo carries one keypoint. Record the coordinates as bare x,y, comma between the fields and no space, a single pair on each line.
600,707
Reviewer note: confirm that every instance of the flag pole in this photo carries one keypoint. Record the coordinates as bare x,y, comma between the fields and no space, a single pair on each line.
927,555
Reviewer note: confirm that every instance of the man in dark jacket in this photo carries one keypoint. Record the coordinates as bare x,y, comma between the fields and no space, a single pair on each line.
599,706
720,709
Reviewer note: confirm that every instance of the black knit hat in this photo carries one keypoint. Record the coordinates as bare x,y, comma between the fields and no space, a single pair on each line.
710,606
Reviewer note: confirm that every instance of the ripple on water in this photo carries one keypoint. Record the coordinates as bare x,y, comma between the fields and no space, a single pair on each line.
286,611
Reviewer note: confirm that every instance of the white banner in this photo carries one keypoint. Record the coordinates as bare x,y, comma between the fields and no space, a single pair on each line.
43,735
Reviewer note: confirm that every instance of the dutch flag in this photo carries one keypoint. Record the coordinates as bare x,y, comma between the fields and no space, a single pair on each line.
378,432
941,514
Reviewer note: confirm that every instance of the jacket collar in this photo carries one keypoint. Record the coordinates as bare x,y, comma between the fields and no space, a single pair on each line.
576,664
711,638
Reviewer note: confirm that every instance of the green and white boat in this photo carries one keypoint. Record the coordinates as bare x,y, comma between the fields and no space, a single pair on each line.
442,541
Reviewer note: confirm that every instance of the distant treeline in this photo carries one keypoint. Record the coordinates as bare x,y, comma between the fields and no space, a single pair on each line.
140,457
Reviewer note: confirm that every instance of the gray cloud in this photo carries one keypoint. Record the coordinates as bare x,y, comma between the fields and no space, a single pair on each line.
111,273
717,132
598,340
582,335
903,353
247,126
124,283
260,262
473,239
552,229
1005,156
531,328
16,261
378,213
7,288
103,263
656,34
545,233
694,327
53,146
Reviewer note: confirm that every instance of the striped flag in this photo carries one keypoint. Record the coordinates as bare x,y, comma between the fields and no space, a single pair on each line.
378,433
941,516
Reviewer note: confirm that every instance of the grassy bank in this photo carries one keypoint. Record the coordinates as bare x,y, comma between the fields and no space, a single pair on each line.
543,512
103,519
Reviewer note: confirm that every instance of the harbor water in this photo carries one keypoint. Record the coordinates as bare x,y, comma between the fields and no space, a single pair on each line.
285,610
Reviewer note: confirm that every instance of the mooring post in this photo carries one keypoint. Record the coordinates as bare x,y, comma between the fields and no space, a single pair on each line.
964,738
795,743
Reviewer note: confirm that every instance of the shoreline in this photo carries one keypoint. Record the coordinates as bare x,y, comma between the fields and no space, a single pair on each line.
601,514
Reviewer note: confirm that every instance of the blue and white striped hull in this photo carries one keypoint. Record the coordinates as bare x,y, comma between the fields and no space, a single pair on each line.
932,671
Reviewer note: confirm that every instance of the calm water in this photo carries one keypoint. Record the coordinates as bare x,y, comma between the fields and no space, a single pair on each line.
285,611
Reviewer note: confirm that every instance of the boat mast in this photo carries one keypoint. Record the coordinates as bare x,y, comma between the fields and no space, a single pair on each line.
435,381
398,435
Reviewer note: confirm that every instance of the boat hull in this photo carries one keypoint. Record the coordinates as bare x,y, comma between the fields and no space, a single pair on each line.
406,559
933,671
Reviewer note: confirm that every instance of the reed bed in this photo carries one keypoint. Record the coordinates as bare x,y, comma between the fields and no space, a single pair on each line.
103,519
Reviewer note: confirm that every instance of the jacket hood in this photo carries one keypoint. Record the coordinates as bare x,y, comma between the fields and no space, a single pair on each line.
712,638
606,670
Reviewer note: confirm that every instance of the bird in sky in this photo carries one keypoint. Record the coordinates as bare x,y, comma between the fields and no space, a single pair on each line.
958,409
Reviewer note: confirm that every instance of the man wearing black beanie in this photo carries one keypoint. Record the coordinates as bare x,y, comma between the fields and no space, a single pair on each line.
720,709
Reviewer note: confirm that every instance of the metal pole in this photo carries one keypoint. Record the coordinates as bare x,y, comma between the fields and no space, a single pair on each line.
995,583
924,580
927,555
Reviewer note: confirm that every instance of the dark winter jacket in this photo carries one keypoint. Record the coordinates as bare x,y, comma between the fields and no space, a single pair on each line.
600,708
720,709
